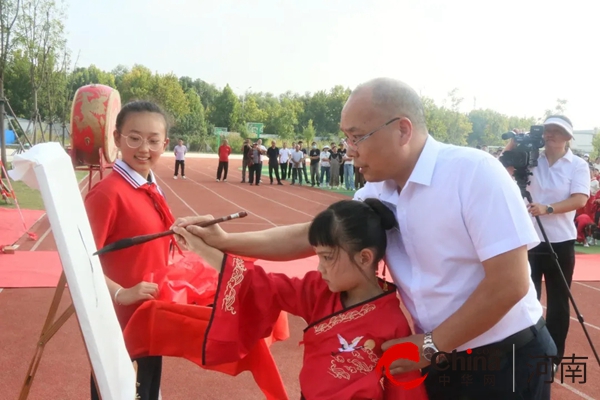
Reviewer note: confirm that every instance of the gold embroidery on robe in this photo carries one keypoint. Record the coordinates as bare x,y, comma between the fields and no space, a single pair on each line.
236,279
344,317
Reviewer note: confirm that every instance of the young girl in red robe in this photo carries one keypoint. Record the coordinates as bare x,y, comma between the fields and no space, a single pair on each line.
127,203
350,312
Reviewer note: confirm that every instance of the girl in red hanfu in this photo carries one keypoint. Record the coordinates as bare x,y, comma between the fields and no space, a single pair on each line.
350,312
128,203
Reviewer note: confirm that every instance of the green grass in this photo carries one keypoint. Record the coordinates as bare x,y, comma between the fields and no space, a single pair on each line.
587,250
28,198
350,193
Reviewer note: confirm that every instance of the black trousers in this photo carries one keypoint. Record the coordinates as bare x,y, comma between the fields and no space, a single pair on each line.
179,163
254,173
557,296
284,170
223,166
487,373
274,167
149,373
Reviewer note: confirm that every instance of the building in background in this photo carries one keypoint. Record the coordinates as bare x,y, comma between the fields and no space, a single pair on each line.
582,142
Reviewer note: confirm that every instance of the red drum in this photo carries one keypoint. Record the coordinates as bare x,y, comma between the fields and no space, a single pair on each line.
93,119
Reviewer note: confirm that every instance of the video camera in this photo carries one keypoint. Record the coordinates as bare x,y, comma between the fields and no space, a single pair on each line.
527,150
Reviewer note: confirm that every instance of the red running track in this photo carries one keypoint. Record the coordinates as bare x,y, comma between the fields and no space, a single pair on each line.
64,370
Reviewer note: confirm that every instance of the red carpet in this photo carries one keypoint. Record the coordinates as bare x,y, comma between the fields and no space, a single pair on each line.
30,269
11,225
43,268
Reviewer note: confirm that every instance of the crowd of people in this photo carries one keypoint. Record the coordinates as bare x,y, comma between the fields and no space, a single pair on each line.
328,166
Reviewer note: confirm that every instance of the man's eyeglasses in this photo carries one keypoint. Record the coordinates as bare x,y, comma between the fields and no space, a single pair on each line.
353,144
135,141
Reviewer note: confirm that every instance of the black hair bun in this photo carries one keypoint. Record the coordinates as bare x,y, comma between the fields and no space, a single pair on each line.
388,219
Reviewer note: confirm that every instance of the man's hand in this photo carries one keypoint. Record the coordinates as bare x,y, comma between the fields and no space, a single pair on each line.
536,209
192,242
401,365
213,235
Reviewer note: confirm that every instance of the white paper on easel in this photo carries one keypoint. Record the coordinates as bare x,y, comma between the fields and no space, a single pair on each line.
47,167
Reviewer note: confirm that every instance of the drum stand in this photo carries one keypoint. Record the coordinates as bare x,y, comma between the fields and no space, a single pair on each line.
91,168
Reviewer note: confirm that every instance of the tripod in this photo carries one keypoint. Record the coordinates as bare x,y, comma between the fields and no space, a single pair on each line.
521,175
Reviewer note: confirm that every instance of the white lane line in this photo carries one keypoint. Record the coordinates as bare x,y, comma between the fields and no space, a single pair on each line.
212,191
576,320
588,286
279,189
262,197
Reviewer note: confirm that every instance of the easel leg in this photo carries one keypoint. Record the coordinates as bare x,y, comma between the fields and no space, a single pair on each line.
49,329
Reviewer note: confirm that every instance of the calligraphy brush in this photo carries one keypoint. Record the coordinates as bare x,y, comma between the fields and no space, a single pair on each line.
128,242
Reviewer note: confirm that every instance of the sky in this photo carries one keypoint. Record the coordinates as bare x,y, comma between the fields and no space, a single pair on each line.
514,56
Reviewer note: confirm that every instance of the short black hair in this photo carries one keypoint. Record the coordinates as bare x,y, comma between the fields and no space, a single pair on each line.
353,226
136,107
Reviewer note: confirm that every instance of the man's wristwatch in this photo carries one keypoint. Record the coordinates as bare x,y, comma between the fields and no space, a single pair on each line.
429,348
549,209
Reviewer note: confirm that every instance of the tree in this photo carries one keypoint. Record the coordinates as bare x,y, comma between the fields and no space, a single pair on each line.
559,108
308,133
488,127
40,34
226,109
9,12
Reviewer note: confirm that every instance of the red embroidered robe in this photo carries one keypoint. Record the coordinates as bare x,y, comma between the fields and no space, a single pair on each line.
342,346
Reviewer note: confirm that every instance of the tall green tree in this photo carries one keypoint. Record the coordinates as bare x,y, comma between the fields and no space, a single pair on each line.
226,110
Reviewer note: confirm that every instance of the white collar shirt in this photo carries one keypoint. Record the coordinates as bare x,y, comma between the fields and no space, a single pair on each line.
133,177
551,184
459,208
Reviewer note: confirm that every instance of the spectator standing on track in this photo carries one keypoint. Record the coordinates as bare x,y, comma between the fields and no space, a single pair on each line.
335,159
314,156
224,152
255,165
180,151
296,161
273,155
348,172
246,148
342,152
292,149
284,160
303,166
325,167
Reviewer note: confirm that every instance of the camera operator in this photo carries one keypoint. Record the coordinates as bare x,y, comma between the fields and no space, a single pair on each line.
559,185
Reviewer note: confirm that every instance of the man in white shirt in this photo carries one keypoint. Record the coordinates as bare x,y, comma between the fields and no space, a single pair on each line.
284,159
180,151
459,258
296,159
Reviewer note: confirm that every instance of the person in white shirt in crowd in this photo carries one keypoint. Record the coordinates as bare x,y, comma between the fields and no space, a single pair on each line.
559,185
297,159
284,160
325,167
348,172
459,257
180,151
